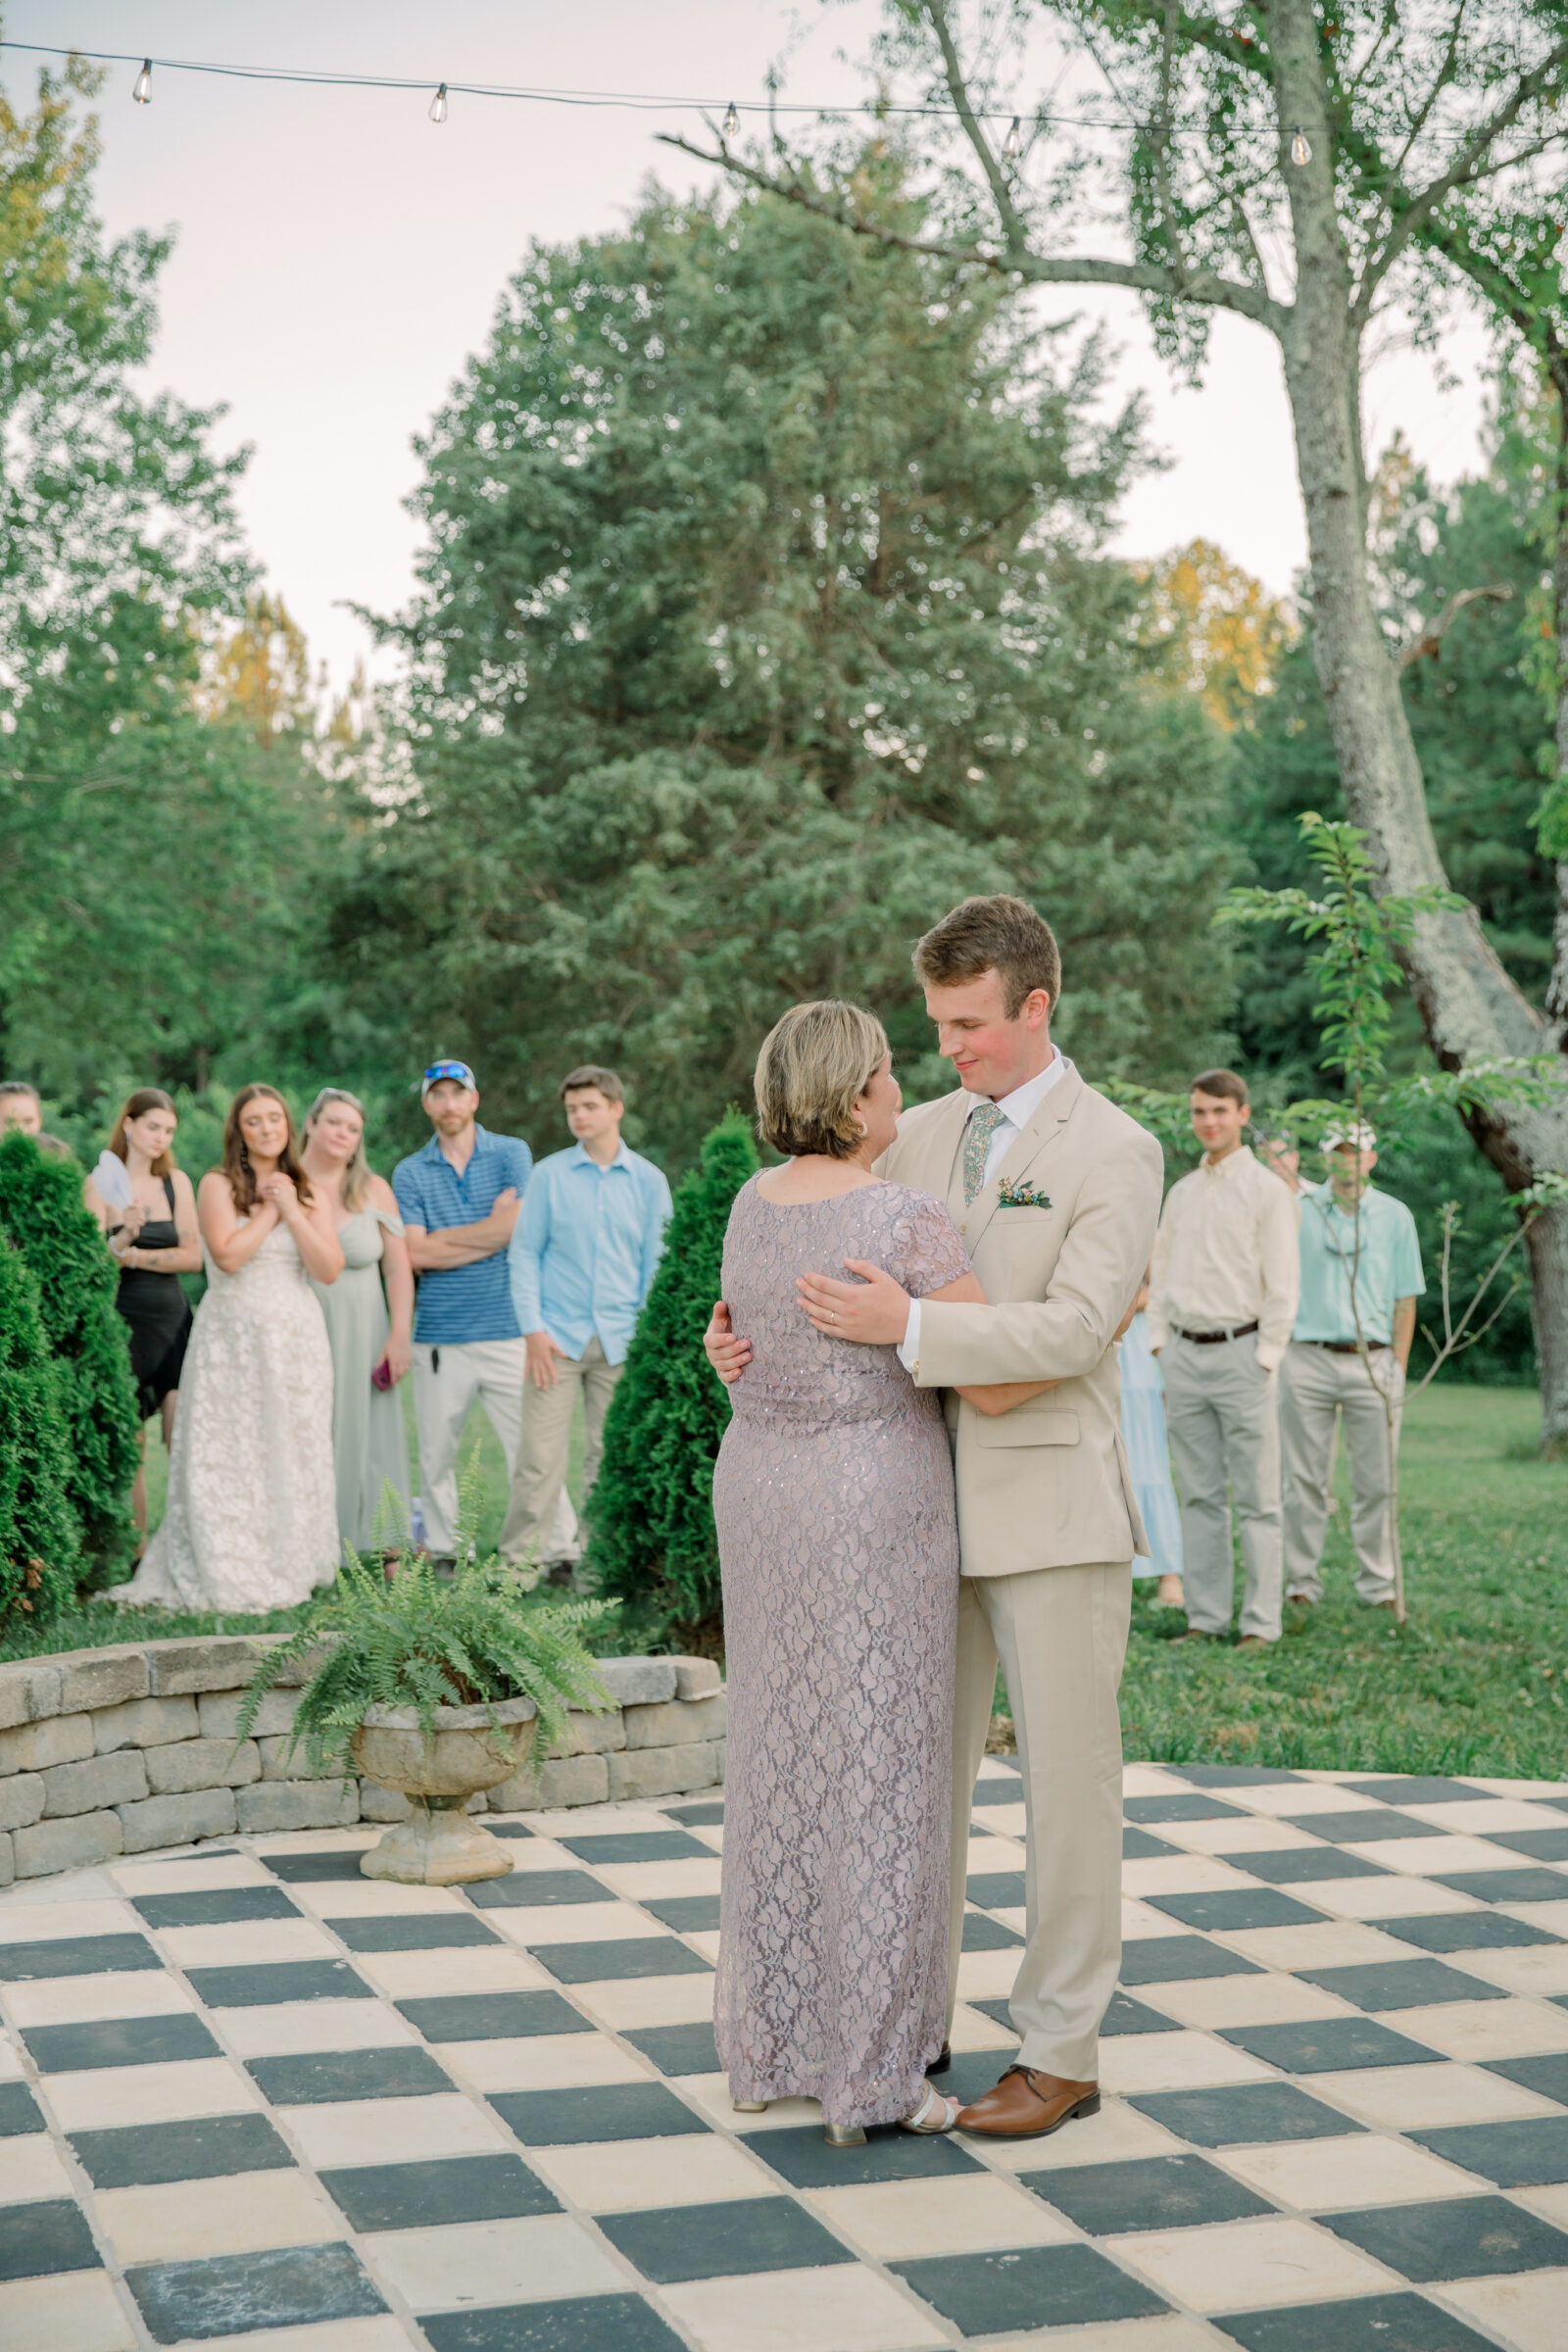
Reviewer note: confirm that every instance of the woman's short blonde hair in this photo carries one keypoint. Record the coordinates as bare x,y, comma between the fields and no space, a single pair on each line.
815,1065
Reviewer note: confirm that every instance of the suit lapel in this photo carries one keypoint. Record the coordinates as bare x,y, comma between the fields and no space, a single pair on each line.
1037,1136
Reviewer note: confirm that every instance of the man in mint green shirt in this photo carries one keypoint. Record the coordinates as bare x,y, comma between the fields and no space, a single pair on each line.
1360,1279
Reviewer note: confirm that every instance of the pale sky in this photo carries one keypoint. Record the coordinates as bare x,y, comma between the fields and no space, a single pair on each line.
338,257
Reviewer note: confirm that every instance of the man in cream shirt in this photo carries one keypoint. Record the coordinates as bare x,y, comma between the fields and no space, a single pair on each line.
1222,1298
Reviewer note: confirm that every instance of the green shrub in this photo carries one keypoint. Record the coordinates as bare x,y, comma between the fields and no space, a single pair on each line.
40,1540
41,1213
651,1514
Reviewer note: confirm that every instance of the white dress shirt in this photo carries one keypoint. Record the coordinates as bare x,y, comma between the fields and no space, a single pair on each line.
1228,1253
1017,1110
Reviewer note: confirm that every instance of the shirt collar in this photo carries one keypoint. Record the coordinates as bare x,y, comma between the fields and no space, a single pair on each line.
432,1150
580,1154
1020,1107
1230,1165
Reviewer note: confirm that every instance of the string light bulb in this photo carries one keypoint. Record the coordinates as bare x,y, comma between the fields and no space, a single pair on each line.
438,105
142,91
1301,152
1012,145
732,121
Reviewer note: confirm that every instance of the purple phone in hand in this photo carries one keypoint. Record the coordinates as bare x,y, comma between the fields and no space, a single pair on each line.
381,1377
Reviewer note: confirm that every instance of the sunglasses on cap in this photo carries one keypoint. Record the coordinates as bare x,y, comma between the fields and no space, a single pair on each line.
458,1071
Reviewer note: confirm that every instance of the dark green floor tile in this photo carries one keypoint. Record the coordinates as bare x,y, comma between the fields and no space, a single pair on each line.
1171,1959
1542,1846
321,2077
539,1889
119,2042
982,1933
721,2241
799,2155
437,2192
637,1845
215,1906
1548,2075
1401,1985
1244,2115
305,1864
1466,1932
1509,1886
1532,2153
203,2147
996,1890
1453,2238
1363,1827
236,2294
584,2323
677,2049
1148,2192
552,2119
1229,1911
687,1914
20,2112
1371,2323
256,1987
1327,2045
634,1956
76,1956
492,2016
992,2294
413,1931
37,2240
1299,1865
1146,1809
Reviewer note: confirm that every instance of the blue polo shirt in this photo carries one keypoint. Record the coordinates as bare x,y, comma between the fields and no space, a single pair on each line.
585,1249
463,1302
1381,1248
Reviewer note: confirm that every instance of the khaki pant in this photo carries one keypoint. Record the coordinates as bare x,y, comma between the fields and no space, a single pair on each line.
1222,1415
1061,1635
1318,1387
539,1477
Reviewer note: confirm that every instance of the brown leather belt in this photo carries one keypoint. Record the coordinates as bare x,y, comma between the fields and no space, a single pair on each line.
1345,1346
1212,1339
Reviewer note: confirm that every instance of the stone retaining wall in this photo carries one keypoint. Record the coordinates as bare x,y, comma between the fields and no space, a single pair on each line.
113,1752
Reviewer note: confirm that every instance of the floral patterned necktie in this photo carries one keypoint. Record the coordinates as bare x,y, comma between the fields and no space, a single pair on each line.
984,1120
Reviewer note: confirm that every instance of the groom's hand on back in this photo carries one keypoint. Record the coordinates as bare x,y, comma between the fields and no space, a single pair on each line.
875,1311
728,1354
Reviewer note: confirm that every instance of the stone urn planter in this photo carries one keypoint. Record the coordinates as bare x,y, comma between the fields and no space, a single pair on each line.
470,1748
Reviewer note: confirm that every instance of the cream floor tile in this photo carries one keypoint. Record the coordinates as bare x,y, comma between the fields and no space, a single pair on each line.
1341,1943
85,2000
659,1881
988,1976
616,2175
1134,2063
1434,1857
1551,2202
480,1968
1386,1899
1516,2027
1241,1835
1218,2002
1553,1917
1248,2265
280,2029
29,2169
542,2062
383,2335
248,1943
571,1923
72,1887
1541,1969
1422,2098
365,2130
1185,1874
898,2221
629,2004
179,1878
372,1898
972,2030
1287,1797
838,2309
708,1832
1526,2310
1525,1789
1172,2333
1014,1916
1486,1816
993,1853
1150,1780
77,2312
533,1853
11,2066
1116,2134
183,2221
36,1920
706,1941
711,2092
1321,2174
1137,1919
1008,1821
149,2094
475,2263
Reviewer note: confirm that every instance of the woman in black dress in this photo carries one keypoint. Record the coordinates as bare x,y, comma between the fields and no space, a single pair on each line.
155,1239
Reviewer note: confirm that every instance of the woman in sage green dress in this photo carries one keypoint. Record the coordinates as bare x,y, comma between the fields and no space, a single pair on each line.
370,1321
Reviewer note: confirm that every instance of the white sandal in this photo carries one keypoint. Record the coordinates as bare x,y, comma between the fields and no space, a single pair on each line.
935,2113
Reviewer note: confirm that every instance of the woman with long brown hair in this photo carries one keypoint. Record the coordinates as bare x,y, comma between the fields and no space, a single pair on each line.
150,1226
251,1519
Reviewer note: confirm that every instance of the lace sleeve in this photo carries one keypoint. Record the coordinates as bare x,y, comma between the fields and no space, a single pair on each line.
928,1252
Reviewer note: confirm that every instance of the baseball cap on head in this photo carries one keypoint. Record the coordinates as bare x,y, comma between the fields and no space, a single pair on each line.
458,1071
1351,1136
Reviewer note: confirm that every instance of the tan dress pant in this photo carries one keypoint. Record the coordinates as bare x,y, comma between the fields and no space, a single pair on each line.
1317,1387
539,1473
1060,1636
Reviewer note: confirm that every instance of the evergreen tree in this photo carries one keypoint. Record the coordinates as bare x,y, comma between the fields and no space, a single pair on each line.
42,1216
40,1536
652,1540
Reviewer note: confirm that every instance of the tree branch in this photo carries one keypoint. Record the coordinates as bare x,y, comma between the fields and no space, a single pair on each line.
1012,228
1429,644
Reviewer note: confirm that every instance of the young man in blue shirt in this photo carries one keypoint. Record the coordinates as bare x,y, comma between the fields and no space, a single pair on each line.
1348,1229
582,1259
458,1200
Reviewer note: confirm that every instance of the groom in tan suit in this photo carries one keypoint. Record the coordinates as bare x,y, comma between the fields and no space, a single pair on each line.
1056,1193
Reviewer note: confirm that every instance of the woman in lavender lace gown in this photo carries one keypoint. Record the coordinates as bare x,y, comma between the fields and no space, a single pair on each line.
838,1539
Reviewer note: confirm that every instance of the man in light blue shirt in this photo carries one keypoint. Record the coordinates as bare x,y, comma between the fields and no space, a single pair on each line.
1360,1279
581,1262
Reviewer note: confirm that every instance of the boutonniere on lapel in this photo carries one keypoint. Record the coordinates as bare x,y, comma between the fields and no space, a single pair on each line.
1022,1196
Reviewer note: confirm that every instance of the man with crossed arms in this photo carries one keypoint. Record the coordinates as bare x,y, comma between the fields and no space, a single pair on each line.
1056,1193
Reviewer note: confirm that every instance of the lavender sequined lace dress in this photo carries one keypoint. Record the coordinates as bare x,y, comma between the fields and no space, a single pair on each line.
838,1538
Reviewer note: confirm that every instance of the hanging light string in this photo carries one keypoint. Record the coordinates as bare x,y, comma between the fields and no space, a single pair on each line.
642,101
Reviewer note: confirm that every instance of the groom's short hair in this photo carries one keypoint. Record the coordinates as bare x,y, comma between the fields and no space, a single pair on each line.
985,935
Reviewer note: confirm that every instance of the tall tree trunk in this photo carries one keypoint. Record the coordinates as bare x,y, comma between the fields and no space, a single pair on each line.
1469,1006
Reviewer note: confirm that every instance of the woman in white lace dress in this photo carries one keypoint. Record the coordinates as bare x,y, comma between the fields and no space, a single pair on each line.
250,1523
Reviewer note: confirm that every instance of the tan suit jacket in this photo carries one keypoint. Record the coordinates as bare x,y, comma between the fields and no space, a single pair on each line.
1047,1485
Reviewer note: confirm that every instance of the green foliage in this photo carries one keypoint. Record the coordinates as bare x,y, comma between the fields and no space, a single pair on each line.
408,1637
650,1513
42,1214
39,1535
764,617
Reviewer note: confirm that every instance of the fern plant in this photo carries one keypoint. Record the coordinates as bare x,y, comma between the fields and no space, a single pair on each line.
404,1636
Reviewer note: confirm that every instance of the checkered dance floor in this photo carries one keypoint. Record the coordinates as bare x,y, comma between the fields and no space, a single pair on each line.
251,2098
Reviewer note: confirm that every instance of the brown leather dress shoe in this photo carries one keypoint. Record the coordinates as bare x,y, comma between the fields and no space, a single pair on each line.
1026,2105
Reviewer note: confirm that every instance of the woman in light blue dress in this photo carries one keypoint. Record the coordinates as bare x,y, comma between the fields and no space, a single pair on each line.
1143,1422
